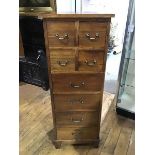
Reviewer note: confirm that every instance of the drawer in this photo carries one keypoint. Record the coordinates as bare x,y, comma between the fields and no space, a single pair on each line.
77,118
92,26
77,133
61,34
69,102
92,34
62,60
77,82
91,60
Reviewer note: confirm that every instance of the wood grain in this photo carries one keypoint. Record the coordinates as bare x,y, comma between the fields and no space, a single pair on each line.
73,119
54,15
76,33
36,127
77,82
62,60
131,147
96,42
76,102
91,60
78,133
61,28
123,141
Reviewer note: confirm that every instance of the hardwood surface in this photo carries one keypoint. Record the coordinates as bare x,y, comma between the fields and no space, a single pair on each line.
116,133
77,133
91,60
77,102
73,119
54,15
78,32
77,82
62,60
87,60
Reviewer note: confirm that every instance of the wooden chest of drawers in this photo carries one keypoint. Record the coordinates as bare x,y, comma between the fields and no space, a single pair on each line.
76,50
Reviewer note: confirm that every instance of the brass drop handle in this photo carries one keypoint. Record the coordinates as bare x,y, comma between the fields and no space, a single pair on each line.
62,37
77,86
77,101
91,63
63,63
77,121
76,133
92,38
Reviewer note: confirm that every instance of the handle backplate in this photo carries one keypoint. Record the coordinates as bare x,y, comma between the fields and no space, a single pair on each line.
77,85
77,101
76,120
65,36
63,63
91,62
92,38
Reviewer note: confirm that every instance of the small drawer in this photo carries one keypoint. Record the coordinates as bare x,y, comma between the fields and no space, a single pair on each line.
91,60
92,26
61,34
62,61
77,82
69,102
77,118
77,133
92,34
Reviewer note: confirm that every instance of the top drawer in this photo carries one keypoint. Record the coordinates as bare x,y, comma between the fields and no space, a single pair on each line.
61,34
92,34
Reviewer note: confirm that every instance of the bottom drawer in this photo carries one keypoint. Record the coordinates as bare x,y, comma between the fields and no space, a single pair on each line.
77,133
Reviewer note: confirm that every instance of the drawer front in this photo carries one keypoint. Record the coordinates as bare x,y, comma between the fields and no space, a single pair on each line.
91,60
76,102
77,82
62,60
61,34
77,118
92,34
77,133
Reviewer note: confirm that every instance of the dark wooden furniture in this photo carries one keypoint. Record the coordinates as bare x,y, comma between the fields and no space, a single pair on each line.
21,49
33,66
76,48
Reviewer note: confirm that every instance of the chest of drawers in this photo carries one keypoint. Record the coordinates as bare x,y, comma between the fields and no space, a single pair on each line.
76,48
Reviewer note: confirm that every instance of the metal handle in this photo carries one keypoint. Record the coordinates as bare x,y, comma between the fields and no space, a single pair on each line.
77,101
77,121
92,38
91,63
76,133
63,63
76,86
62,37
38,57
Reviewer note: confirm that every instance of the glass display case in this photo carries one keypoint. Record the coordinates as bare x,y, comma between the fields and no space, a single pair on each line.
126,79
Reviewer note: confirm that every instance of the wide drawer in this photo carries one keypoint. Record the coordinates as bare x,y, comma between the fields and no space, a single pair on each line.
61,34
77,82
77,118
77,133
75,102
62,60
92,34
91,60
